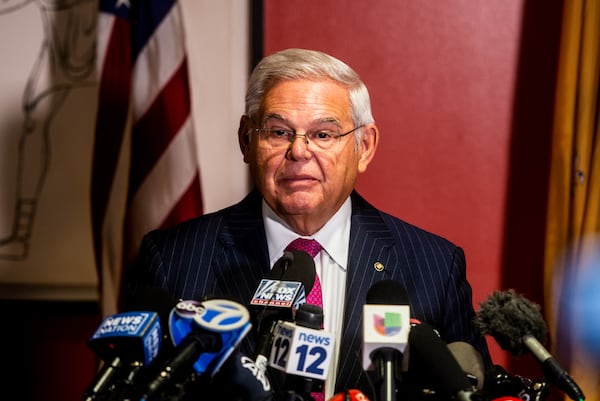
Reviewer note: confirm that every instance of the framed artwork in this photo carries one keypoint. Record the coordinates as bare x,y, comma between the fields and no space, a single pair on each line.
47,119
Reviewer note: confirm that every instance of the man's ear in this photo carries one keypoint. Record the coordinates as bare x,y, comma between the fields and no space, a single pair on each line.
244,137
367,146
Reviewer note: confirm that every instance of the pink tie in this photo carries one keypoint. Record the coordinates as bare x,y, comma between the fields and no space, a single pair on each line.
312,247
315,296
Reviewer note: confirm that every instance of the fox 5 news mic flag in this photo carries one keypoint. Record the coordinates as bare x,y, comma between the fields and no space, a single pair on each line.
144,143
282,294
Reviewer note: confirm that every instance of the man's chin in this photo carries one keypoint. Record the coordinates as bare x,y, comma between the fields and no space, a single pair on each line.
299,203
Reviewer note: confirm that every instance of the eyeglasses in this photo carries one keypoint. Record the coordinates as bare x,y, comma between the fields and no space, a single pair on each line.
280,138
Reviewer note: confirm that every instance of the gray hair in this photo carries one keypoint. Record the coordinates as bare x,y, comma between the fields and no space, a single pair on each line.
293,64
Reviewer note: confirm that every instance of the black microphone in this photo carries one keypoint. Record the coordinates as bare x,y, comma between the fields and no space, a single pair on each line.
129,341
278,296
240,379
518,326
386,324
431,358
204,334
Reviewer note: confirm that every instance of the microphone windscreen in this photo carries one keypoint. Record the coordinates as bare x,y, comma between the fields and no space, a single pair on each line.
432,359
387,292
153,299
240,379
281,266
295,266
508,317
470,361
309,315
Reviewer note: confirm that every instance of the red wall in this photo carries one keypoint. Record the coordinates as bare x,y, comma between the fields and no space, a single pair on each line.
463,93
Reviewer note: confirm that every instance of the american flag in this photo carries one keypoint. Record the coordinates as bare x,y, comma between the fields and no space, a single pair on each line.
144,128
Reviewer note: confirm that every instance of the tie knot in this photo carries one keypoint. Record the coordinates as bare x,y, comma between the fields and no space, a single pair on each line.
310,246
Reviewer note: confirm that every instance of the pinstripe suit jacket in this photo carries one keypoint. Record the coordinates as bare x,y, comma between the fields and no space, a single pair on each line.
225,254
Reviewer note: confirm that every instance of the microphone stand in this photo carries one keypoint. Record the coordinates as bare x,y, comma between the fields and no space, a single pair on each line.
387,360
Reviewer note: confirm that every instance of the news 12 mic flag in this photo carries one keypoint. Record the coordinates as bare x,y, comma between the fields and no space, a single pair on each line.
144,141
302,351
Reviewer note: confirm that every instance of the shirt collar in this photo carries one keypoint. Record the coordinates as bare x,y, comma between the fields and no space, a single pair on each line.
334,236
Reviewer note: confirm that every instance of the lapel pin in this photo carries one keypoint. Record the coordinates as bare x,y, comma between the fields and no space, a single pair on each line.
378,266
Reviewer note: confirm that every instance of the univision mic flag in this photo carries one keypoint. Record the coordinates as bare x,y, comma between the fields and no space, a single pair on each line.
145,171
384,326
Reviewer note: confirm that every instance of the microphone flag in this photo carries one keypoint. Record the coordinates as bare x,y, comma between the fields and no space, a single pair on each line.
384,326
302,351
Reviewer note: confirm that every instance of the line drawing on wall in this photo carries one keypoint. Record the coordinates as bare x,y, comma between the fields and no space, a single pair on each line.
65,62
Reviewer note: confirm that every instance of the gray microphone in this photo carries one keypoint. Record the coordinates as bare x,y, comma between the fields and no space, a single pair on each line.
518,326
470,361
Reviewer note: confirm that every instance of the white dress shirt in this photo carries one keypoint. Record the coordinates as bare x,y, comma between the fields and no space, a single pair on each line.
331,264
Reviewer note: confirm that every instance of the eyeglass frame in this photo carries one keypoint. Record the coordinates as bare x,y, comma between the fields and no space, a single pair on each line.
293,135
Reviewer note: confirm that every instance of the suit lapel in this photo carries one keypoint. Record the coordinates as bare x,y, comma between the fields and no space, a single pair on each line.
371,251
243,259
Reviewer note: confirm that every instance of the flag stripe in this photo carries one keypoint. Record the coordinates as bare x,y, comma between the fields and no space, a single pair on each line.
162,123
149,76
149,19
187,203
165,184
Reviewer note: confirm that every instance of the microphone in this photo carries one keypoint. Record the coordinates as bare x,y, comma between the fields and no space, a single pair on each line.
303,351
204,334
386,324
470,361
500,384
430,354
284,290
350,395
128,341
277,298
518,326
240,379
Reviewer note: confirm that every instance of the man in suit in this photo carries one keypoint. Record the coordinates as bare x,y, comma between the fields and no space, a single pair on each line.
306,134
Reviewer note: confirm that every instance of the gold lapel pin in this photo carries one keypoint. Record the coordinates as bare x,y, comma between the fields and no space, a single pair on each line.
378,266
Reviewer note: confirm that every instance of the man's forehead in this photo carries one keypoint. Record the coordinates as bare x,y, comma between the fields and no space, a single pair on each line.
328,101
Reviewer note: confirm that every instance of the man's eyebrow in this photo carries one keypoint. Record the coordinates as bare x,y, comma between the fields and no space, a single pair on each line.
323,120
274,116
330,120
